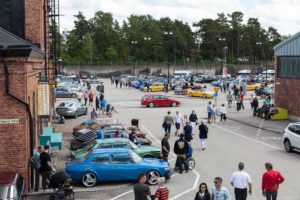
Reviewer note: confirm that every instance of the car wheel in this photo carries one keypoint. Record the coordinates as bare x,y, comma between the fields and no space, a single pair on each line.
204,96
190,94
76,115
86,111
89,179
191,163
152,177
287,146
151,105
73,95
174,104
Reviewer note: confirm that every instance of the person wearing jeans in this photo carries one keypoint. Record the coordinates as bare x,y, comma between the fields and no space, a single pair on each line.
168,121
223,113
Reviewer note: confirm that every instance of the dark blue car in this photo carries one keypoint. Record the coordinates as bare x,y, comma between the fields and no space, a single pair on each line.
116,165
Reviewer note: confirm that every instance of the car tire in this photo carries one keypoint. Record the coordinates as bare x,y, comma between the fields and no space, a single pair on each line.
86,111
204,96
174,104
287,145
191,163
89,179
151,105
152,177
76,115
190,94
73,95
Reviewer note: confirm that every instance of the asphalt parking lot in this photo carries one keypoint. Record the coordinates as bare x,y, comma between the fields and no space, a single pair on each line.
228,143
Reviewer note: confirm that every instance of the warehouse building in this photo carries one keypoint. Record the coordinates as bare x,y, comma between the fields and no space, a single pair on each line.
287,80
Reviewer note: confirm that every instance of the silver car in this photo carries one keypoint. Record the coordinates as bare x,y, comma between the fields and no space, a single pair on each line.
71,109
64,92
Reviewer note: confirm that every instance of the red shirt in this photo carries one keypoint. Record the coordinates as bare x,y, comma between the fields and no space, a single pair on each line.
162,193
270,179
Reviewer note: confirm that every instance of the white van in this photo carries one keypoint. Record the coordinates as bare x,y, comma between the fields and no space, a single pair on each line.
182,74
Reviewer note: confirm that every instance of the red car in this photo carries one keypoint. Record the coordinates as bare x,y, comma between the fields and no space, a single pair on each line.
152,100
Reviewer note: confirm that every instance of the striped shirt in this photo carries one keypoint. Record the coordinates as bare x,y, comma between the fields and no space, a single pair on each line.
162,193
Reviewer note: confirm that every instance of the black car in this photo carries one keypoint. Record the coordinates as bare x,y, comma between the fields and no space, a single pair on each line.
264,91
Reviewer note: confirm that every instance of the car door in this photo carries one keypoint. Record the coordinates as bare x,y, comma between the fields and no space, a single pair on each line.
101,165
295,135
80,108
164,101
58,92
123,167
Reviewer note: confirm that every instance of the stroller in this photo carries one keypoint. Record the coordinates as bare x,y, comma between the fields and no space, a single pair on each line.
61,184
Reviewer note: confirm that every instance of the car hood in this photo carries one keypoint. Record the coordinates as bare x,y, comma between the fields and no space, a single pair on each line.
155,161
148,148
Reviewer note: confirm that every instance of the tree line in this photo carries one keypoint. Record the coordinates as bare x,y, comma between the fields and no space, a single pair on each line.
143,39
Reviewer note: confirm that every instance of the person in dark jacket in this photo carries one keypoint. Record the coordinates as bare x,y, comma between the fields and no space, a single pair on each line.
188,130
181,147
203,130
193,120
255,105
203,193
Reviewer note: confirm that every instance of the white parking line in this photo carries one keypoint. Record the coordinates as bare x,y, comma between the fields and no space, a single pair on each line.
247,138
259,129
194,171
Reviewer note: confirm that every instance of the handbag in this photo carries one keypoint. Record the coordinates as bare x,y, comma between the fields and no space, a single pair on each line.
164,124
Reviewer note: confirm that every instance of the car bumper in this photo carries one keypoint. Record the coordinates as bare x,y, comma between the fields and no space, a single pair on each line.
66,113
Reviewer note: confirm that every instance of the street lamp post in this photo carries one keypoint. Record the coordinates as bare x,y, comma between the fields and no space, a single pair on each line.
262,55
147,39
168,33
134,43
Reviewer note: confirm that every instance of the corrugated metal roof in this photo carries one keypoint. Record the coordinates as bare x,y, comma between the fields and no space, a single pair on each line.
288,47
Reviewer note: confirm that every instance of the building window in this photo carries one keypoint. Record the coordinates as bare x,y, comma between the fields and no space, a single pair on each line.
289,67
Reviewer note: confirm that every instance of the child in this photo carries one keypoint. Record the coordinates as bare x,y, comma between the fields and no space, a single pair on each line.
111,111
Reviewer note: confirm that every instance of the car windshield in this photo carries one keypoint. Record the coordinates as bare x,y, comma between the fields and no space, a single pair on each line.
136,158
3,191
90,145
86,156
133,146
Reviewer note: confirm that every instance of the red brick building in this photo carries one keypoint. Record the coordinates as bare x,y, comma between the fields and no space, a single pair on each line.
287,80
24,61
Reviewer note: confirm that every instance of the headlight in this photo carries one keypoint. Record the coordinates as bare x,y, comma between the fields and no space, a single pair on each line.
167,168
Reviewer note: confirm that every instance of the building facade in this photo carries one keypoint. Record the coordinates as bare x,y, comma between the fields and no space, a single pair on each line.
287,80
25,62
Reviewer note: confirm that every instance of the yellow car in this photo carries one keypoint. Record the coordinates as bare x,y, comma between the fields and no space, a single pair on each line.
156,87
255,86
200,92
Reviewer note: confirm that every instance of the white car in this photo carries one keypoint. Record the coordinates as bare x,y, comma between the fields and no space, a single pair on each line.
291,137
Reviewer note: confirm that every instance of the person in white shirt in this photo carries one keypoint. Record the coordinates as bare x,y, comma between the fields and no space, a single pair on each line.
178,120
223,112
240,180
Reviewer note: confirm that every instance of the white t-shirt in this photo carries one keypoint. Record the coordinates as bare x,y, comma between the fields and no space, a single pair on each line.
240,179
222,110
177,118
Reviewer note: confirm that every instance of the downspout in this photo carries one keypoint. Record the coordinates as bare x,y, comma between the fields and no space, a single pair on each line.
31,139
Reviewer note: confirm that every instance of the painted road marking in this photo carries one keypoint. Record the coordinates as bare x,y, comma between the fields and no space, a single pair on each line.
260,126
247,138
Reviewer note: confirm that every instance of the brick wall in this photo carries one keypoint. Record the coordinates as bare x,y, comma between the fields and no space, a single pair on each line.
15,139
34,21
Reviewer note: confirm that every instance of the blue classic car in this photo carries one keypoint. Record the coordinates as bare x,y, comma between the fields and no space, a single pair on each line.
116,165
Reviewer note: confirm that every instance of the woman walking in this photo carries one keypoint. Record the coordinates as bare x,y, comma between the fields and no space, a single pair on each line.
203,193
203,130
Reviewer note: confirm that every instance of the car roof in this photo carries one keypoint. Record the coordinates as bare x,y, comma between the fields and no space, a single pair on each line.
156,95
112,150
8,177
108,140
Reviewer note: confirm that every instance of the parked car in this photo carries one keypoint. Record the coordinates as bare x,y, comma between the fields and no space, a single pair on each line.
200,92
291,137
71,109
145,151
264,91
152,100
116,165
12,185
158,86
64,92
255,86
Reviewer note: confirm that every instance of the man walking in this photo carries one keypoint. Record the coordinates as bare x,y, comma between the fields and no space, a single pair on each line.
219,192
203,131
141,190
168,121
178,120
240,180
181,147
46,166
165,146
193,120
223,112
270,182
188,131
229,99
36,158
85,97
255,105
210,111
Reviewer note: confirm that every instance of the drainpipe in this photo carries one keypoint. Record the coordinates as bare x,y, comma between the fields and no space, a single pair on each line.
31,140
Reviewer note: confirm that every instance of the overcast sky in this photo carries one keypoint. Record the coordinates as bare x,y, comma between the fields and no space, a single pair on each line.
284,15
